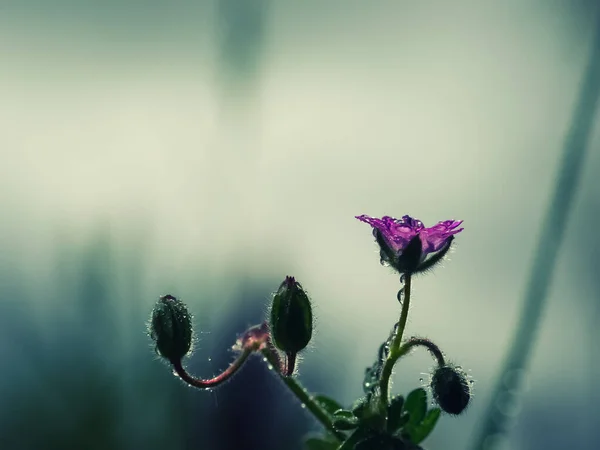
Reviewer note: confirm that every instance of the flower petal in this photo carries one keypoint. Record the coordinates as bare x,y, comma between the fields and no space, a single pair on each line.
435,237
399,232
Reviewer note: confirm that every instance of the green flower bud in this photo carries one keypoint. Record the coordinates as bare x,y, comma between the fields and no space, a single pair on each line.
291,317
411,257
451,389
171,328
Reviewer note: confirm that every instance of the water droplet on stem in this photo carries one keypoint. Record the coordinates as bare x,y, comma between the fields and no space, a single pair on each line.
400,295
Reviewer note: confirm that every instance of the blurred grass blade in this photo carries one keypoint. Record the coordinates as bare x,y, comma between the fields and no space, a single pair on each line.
494,422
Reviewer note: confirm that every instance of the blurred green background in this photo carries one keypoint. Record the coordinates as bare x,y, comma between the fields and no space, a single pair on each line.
209,148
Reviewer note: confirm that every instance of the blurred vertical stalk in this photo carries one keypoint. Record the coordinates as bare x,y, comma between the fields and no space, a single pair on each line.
594,369
240,44
240,38
496,419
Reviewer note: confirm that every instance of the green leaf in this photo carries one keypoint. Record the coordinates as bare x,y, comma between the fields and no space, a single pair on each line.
366,410
344,414
416,406
382,442
320,444
419,432
345,424
360,407
328,404
395,413
358,435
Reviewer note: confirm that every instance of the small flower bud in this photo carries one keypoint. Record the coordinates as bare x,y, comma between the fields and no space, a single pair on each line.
291,317
451,389
255,338
411,256
171,328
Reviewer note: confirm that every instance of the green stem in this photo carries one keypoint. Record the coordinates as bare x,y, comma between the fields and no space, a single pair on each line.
305,398
395,352
423,342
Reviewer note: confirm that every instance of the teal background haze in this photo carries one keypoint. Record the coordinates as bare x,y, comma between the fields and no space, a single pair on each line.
207,149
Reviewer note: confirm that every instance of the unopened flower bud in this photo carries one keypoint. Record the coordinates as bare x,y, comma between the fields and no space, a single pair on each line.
291,317
411,256
451,389
171,328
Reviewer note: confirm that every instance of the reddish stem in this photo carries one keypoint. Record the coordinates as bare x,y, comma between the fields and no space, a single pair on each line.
275,358
212,382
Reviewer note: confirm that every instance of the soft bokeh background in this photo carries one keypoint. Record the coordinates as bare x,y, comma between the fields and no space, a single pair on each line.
209,148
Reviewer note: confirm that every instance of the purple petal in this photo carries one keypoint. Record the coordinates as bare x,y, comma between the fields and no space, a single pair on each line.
437,236
399,232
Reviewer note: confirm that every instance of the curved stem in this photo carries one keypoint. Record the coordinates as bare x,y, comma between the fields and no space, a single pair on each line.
212,382
305,398
423,342
394,352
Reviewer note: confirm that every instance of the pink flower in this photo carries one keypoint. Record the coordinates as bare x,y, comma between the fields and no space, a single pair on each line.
395,235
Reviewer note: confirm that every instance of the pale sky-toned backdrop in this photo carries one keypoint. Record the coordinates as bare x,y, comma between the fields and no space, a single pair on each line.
120,114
